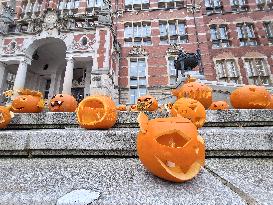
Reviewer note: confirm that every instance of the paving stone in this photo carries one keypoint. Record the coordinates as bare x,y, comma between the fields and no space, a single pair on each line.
253,176
119,181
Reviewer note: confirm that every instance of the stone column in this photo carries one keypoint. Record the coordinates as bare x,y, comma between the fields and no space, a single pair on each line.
52,85
68,77
87,80
2,74
20,79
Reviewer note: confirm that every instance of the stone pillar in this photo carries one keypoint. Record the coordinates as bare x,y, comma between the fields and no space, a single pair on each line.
52,85
87,80
68,77
2,75
20,79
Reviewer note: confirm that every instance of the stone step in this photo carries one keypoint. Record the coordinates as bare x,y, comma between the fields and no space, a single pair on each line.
43,181
228,118
229,141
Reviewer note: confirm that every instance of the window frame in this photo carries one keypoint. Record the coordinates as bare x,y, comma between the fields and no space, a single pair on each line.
226,77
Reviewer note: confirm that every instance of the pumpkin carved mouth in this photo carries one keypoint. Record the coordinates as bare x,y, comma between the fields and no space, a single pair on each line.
2,118
94,111
18,108
57,103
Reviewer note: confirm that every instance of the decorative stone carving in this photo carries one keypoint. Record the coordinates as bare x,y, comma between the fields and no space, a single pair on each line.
77,45
193,8
50,20
254,55
174,49
105,20
137,51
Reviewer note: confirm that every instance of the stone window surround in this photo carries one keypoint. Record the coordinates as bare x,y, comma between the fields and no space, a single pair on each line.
240,78
164,4
245,35
143,5
177,22
149,37
267,66
167,57
146,71
218,25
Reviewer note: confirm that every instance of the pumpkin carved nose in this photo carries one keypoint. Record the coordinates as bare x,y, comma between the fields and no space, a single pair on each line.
252,89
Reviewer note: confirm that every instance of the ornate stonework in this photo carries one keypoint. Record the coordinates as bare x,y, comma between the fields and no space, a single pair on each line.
174,49
137,51
254,55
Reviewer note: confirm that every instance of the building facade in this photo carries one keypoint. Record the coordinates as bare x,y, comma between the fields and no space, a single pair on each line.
126,48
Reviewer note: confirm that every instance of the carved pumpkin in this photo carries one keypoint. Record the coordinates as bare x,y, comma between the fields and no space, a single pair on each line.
28,101
63,103
270,106
170,147
250,97
196,91
190,109
219,105
96,112
133,108
5,117
122,108
147,103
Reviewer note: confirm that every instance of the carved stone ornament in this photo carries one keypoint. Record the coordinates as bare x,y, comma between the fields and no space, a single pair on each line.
193,8
174,49
50,20
137,51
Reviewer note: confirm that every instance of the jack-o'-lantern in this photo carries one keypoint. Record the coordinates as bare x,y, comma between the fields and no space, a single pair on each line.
250,97
28,101
170,148
270,106
196,91
63,103
190,109
133,108
97,112
219,105
5,117
122,108
147,103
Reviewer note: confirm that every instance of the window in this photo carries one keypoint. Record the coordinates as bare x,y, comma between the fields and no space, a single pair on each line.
227,70
136,34
170,4
31,7
257,71
246,34
219,36
239,5
263,4
173,31
137,5
213,6
138,79
172,70
269,30
69,4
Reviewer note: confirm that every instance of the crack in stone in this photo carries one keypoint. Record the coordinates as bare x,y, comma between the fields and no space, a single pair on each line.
248,199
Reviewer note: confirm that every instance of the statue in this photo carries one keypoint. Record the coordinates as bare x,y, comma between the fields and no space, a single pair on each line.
187,61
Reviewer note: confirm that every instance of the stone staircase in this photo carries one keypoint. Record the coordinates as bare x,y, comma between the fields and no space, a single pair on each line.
45,156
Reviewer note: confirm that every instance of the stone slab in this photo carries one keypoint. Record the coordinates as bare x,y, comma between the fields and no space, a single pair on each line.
253,176
119,181
231,118
122,141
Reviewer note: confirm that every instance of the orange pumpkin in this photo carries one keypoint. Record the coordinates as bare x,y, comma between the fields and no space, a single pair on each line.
250,97
5,117
196,91
133,108
190,109
96,112
170,148
28,101
63,103
122,108
219,105
270,106
147,103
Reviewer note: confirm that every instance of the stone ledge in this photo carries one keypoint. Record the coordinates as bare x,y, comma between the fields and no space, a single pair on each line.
231,118
119,181
253,176
122,141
